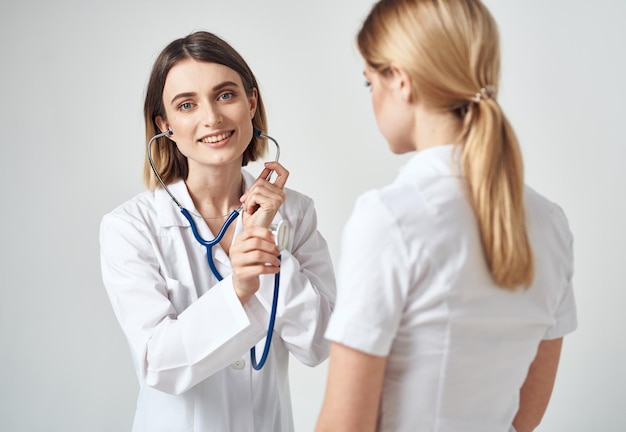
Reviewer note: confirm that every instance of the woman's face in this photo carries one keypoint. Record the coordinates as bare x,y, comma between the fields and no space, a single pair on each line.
209,113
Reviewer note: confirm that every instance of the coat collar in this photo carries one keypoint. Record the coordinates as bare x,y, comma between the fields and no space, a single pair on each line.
168,212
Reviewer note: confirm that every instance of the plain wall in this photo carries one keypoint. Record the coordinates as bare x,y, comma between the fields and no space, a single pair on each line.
73,75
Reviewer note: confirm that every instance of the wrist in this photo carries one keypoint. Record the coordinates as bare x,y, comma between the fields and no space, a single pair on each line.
245,293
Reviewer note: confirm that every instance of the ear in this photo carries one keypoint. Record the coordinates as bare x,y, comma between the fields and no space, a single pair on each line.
401,81
162,123
252,101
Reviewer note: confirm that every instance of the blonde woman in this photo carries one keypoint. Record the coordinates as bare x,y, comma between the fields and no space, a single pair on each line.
455,281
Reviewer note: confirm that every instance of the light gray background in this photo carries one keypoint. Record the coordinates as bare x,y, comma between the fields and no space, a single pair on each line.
73,75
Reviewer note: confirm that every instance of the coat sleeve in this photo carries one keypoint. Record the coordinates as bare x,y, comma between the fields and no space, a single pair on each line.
171,351
307,287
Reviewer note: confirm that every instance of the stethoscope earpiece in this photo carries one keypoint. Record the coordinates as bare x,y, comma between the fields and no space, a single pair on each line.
260,134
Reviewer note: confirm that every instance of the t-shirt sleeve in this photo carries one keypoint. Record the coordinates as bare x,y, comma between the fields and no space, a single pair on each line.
565,315
372,279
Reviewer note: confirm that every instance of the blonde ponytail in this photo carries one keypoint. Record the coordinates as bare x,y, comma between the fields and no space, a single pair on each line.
492,164
450,48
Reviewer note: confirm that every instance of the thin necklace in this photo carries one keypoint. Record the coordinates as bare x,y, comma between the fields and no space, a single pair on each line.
243,189
214,217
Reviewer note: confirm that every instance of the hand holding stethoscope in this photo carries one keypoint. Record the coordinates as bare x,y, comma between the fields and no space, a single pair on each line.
263,199
255,250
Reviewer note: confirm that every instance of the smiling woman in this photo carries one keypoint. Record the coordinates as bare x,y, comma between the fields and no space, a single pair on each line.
189,328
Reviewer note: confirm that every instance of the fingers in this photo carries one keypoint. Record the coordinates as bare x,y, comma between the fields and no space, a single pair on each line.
252,254
255,238
255,247
263,199
263,195
281,177
281,173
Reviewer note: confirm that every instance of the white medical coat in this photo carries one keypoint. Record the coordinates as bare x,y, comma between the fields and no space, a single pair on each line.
190,336
413,285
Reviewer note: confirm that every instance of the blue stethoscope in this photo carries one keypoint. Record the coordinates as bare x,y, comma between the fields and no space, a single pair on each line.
281,233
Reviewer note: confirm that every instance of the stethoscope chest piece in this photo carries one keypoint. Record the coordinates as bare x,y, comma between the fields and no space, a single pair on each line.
281,234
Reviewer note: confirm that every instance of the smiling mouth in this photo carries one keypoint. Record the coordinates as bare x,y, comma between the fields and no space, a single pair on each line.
216,138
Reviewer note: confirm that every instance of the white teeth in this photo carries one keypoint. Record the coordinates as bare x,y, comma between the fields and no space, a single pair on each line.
216,138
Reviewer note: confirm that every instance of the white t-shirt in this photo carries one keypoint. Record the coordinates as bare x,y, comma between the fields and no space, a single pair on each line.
413,285
189,335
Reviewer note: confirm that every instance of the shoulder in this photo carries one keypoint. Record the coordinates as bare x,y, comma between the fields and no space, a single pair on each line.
129,227
549,231
136,211
378,213
298,207
296,199
540,209
397,204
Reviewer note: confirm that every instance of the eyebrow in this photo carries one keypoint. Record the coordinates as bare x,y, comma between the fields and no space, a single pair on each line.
216,88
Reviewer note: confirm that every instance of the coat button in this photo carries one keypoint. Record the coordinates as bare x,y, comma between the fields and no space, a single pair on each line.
238,365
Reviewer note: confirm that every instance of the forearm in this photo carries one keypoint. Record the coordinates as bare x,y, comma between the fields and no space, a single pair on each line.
537,388
353,391
173,352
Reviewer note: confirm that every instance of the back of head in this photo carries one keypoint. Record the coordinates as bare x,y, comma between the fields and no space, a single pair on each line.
450,49
206,47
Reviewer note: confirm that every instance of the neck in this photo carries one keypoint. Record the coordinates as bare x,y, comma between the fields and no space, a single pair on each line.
434,128
216,194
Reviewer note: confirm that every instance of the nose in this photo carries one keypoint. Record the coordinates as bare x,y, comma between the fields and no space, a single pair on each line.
212,115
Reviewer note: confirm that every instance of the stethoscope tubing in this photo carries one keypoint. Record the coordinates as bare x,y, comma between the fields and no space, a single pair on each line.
208,244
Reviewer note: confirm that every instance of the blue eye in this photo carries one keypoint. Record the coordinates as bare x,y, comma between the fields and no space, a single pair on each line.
186,106
225,96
